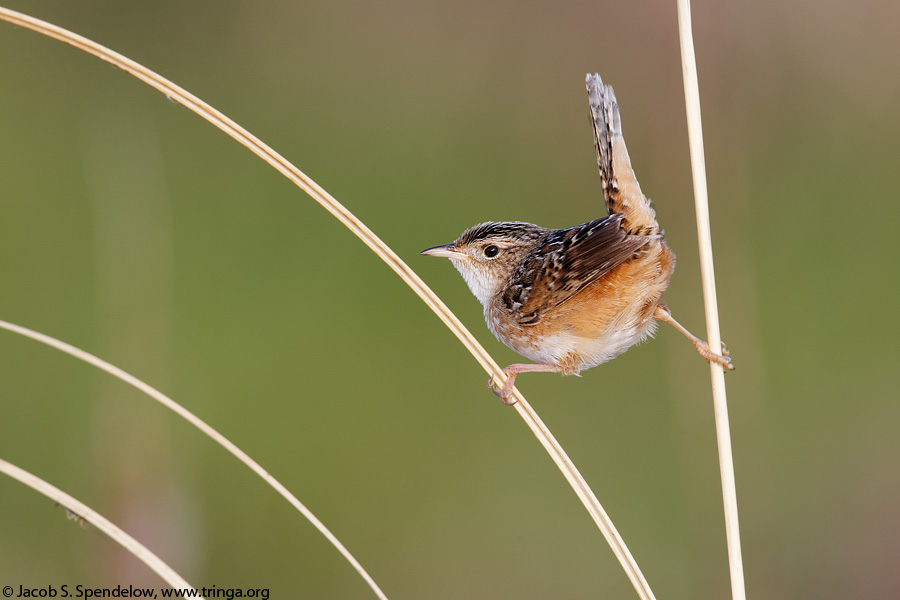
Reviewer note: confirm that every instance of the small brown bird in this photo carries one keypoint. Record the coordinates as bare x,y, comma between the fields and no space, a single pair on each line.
571,299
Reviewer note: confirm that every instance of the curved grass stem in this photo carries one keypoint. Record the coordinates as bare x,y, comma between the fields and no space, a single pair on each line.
205,428
85,512
283,166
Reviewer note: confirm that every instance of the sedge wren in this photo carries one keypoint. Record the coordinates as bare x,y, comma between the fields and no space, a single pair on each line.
571,299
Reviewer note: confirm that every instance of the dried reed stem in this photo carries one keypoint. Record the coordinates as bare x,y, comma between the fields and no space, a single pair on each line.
701,202
97,520
202,426
178,94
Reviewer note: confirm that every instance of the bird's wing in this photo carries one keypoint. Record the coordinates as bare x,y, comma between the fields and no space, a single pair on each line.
567,261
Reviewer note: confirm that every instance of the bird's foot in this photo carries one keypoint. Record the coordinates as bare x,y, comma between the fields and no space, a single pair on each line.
504,390
723,359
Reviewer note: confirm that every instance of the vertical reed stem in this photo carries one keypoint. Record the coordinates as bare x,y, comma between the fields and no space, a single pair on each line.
701,202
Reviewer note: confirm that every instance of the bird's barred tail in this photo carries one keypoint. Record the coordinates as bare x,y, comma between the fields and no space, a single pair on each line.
620,186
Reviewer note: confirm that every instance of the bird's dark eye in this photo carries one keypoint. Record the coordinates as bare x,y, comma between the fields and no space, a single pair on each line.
491,251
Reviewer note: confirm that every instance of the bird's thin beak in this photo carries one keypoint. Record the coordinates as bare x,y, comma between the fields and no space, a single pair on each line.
443,251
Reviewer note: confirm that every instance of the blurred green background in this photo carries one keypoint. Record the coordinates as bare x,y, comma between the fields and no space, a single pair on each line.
136,231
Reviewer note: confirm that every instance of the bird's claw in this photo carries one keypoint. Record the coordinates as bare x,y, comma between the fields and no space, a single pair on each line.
723,359
502,391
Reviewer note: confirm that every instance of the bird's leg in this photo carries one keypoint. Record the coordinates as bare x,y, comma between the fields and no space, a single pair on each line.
504,390
662,314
